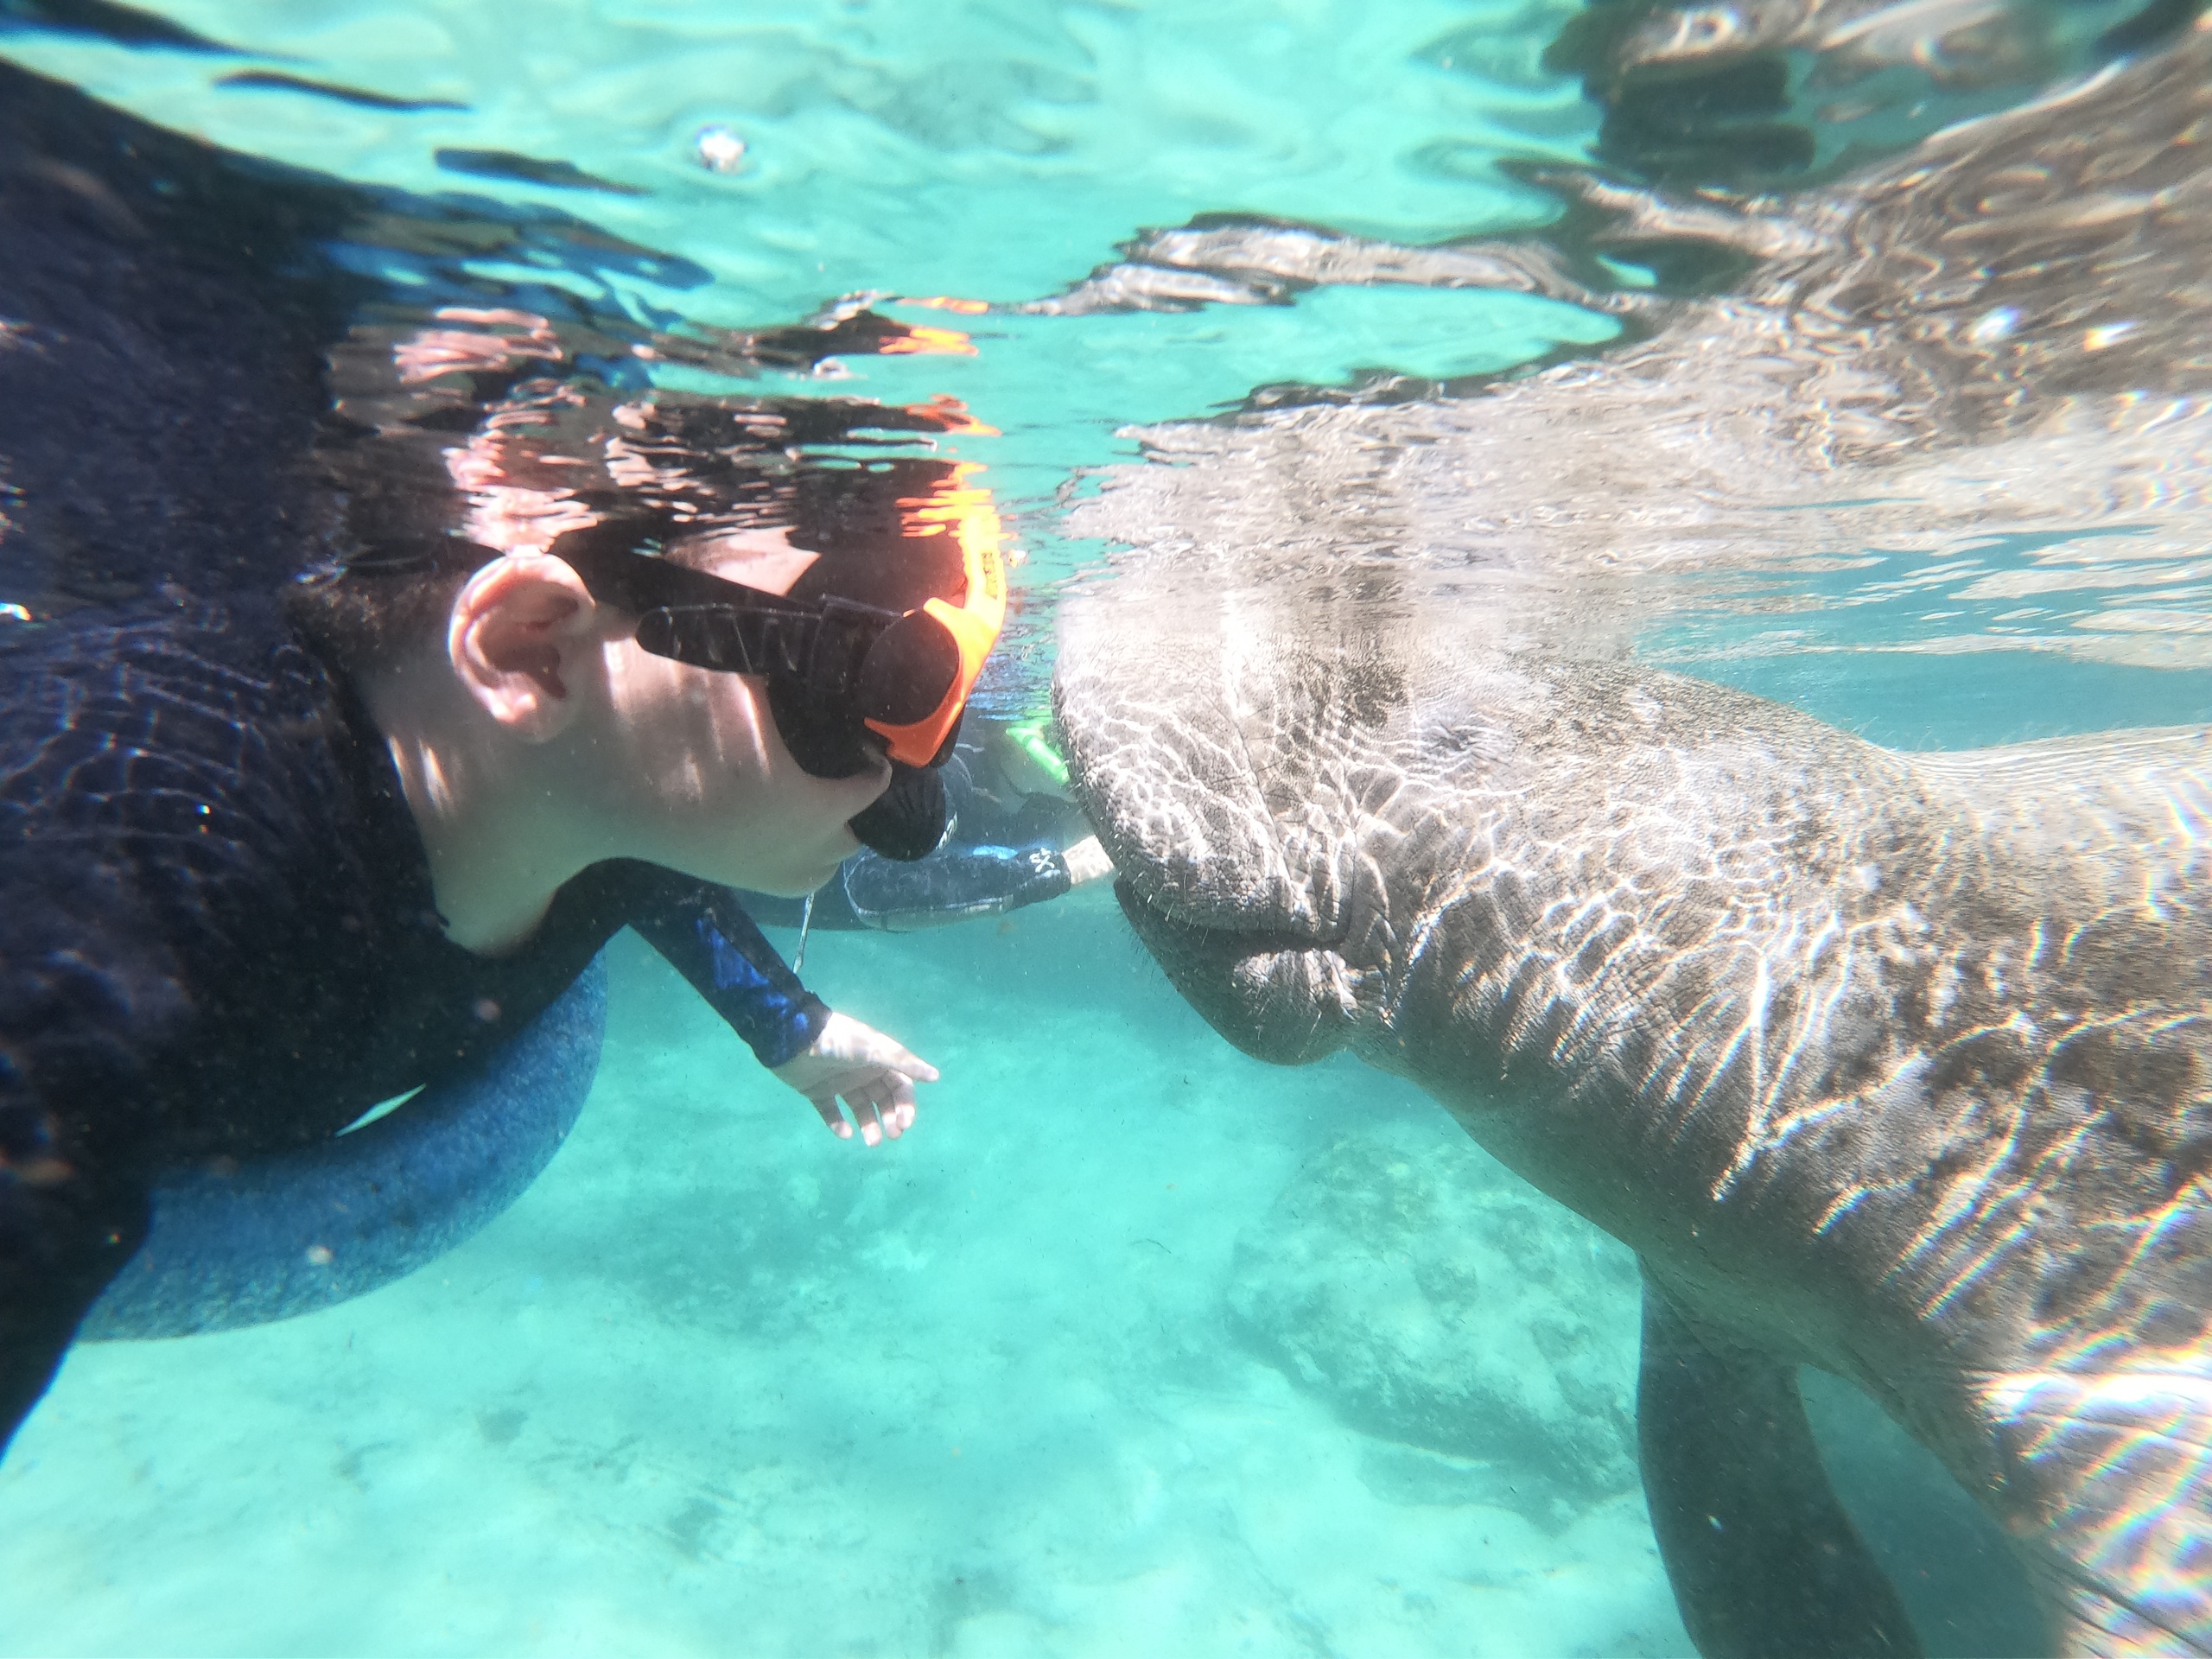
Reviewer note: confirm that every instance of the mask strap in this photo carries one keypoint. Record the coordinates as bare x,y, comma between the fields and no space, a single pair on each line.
724,637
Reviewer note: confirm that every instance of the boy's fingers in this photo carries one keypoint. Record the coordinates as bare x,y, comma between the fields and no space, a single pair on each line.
891,1097
893,1058
897,1111
882,1108
880,1098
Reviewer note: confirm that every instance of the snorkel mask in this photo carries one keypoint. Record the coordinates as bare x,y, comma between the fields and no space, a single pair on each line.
847,675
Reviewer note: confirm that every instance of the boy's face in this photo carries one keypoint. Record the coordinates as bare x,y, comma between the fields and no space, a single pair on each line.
635,755
712,790
715,793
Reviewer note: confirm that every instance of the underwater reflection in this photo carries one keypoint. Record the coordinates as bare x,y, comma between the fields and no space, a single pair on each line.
1972,377
1910,363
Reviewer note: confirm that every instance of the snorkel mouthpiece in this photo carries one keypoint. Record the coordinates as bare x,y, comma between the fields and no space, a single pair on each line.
909,820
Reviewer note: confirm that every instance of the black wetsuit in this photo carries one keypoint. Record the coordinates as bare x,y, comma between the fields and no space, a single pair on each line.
217,935
218,938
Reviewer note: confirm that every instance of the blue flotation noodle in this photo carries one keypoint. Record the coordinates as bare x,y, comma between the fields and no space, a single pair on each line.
305,1230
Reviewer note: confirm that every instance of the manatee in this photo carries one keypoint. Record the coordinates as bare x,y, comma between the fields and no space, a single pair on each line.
1892,1065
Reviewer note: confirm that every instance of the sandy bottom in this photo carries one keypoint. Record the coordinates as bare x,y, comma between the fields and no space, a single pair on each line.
720,1383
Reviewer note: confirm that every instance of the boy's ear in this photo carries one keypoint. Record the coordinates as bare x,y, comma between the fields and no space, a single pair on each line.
518,636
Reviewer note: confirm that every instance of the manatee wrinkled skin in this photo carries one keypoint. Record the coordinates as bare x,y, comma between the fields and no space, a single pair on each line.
1892,1065
1889,1065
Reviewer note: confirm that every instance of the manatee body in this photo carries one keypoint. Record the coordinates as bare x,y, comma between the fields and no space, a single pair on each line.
1892,1065
1889,1065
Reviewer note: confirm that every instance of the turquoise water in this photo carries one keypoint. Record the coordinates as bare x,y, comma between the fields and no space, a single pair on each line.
1134,1345
720,1384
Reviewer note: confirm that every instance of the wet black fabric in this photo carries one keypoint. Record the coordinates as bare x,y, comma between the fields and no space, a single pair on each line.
217,931
219,939
162,325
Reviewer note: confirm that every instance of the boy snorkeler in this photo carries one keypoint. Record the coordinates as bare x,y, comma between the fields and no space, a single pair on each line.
569,663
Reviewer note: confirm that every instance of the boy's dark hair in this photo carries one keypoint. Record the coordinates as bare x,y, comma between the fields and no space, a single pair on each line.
367,615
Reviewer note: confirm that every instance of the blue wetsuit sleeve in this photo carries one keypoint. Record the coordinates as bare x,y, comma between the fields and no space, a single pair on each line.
952,884
706,936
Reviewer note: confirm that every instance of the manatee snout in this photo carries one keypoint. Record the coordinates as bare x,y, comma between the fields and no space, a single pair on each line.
1247,780
1279,999
1190,746
1178,772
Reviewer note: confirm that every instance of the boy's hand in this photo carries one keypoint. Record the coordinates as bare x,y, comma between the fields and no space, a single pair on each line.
874,1075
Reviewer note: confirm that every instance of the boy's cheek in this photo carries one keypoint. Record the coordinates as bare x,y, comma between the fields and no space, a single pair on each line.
797,875
867,789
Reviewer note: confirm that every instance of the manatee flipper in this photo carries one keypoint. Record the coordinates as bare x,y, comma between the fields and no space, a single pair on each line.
1763,1560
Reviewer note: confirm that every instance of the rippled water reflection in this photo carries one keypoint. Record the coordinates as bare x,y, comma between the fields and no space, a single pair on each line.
1965,370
